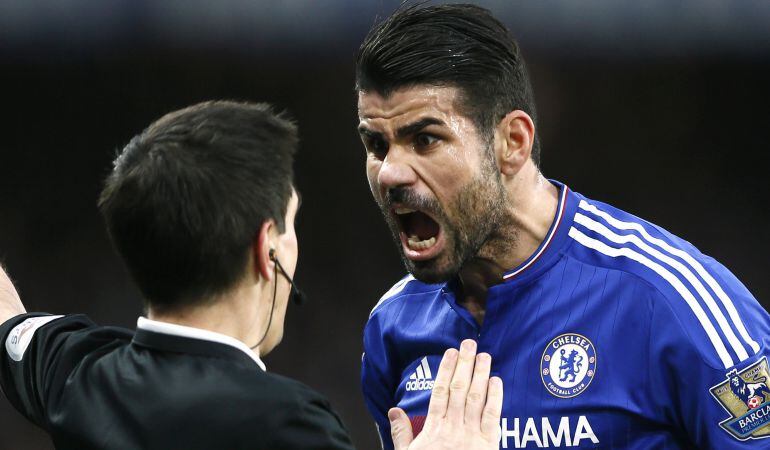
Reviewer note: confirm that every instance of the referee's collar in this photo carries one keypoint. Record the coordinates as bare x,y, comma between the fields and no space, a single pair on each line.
173,329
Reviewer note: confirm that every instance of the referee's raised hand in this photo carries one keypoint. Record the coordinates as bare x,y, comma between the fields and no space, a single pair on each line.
464,410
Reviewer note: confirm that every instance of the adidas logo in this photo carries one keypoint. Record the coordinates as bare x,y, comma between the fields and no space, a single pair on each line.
421,380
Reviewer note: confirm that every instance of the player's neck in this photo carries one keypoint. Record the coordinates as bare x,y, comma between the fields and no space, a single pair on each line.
531,209
476,277
532,206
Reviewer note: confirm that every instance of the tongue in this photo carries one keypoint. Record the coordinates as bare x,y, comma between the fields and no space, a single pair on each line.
421,225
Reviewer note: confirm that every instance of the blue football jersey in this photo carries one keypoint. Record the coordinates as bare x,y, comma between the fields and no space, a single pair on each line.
613,334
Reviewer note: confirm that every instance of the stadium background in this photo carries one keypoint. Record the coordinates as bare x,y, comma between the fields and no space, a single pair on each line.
659,108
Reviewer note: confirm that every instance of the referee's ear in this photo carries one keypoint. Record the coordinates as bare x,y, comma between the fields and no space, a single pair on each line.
263,242
514,137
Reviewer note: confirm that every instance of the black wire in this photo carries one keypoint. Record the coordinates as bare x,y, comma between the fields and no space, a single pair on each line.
272,307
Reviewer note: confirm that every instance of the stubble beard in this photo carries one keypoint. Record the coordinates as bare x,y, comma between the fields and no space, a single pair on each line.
476,219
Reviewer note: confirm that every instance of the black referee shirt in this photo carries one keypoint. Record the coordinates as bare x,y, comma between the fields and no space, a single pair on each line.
94,387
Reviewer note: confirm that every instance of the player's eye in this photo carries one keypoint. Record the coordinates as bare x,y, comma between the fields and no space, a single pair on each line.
425,139
377,145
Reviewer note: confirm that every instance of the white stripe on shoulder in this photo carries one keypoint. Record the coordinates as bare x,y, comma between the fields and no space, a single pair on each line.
679,267
692,262
700,314
398,287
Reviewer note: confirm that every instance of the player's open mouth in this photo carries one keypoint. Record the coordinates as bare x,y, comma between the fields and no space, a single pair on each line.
421,236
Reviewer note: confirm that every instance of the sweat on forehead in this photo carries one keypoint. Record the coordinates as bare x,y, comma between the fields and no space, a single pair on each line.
405,99
408,110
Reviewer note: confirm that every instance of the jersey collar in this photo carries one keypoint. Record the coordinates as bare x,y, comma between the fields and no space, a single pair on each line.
552,245
173,329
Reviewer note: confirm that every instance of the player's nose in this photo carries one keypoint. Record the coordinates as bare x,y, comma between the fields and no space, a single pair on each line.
396,170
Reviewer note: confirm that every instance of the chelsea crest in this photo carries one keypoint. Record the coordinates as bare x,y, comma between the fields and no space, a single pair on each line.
568,365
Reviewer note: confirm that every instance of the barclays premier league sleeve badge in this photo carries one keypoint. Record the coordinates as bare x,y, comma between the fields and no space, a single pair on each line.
746,396
568,365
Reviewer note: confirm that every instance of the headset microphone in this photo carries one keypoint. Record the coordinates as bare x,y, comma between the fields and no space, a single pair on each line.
296,295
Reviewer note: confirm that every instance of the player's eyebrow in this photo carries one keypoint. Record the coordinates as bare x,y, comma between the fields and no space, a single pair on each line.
362,130
406,130
414,127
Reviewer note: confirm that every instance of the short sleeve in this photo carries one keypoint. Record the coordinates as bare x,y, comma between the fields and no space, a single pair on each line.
714,405
35,349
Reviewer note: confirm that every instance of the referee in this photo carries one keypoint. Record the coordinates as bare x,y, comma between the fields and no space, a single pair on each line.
201,208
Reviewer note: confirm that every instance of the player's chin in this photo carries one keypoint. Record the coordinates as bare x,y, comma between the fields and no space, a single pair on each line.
437,270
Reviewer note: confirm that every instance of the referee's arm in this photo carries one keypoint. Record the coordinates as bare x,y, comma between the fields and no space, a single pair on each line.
10,303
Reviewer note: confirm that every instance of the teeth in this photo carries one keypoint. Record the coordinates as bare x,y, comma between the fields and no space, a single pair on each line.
416,244
404,210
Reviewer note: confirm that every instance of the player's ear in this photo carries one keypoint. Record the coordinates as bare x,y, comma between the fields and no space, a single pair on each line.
514,136
263,243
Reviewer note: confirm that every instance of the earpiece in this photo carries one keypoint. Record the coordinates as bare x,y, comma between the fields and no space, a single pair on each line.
297,296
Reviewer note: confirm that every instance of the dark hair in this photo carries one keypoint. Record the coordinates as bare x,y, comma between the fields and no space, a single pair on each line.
188,195
453,45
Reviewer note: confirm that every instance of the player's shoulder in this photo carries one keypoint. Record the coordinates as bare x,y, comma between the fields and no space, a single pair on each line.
606,236
693,294
408,286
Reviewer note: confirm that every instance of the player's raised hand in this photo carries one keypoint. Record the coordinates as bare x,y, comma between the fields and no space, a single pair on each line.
464,409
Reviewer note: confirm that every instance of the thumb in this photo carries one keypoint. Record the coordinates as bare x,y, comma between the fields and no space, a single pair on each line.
400,428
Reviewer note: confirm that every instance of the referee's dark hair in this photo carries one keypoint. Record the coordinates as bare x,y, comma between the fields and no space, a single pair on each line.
459,45
188,195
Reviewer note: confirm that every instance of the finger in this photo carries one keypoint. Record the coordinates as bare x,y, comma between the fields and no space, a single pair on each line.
461,381
477,394
440,395
490,418
400,428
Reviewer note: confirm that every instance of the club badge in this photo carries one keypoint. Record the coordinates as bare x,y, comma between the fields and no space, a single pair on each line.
568,365
746,396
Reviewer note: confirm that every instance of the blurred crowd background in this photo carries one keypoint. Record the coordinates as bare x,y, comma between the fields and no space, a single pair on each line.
657,107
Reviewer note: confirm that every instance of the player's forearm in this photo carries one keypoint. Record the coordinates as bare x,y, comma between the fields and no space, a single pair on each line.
10,303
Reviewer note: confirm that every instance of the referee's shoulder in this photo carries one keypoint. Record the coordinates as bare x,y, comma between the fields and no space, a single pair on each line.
281,389
286,397
297,416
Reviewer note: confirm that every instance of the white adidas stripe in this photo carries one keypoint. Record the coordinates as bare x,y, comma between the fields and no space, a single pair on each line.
423,371
679,267
613,252
426,367
692,262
